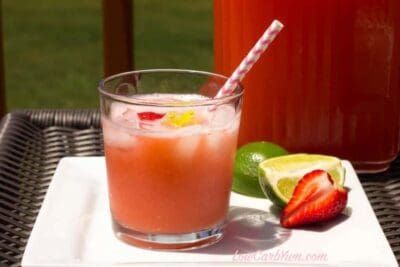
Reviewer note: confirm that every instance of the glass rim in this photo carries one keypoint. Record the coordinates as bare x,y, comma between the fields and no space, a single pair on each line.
206,102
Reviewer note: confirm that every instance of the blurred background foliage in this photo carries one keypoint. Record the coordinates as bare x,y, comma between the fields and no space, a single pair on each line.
53,49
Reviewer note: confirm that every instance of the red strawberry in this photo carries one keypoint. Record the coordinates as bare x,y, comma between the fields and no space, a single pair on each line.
316,198
150,116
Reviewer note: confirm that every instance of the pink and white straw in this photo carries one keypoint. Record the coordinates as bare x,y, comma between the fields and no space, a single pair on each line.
251,58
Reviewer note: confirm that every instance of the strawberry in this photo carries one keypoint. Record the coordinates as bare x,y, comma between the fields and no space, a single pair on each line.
316,198
150,116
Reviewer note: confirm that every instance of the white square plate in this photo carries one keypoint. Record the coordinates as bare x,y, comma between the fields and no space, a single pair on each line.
73,228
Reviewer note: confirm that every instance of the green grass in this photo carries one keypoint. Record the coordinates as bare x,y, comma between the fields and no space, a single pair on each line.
53,49
178,37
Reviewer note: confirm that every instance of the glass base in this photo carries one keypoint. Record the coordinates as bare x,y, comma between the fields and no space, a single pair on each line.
372,166
185,241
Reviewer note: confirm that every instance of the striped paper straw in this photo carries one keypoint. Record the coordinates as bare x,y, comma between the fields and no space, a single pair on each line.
251,58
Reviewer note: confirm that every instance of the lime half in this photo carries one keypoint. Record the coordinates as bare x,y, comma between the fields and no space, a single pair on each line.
278,176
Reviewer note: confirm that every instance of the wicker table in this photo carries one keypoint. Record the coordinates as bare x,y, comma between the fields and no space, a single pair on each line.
33,141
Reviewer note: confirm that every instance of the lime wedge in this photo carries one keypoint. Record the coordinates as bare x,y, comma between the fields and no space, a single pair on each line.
180,119
278,176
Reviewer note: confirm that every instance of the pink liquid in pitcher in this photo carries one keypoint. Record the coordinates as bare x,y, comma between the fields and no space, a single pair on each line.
328,84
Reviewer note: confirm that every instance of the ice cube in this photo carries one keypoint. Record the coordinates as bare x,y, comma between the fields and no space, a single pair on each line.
124,115
117,109
151,126
215,139
129,115
195,129
187,145
115,134
222,116
236,123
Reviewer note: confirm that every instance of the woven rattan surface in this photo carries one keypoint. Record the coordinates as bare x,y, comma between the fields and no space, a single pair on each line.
33,141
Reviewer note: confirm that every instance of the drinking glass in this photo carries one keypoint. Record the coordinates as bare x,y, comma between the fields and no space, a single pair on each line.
169,150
